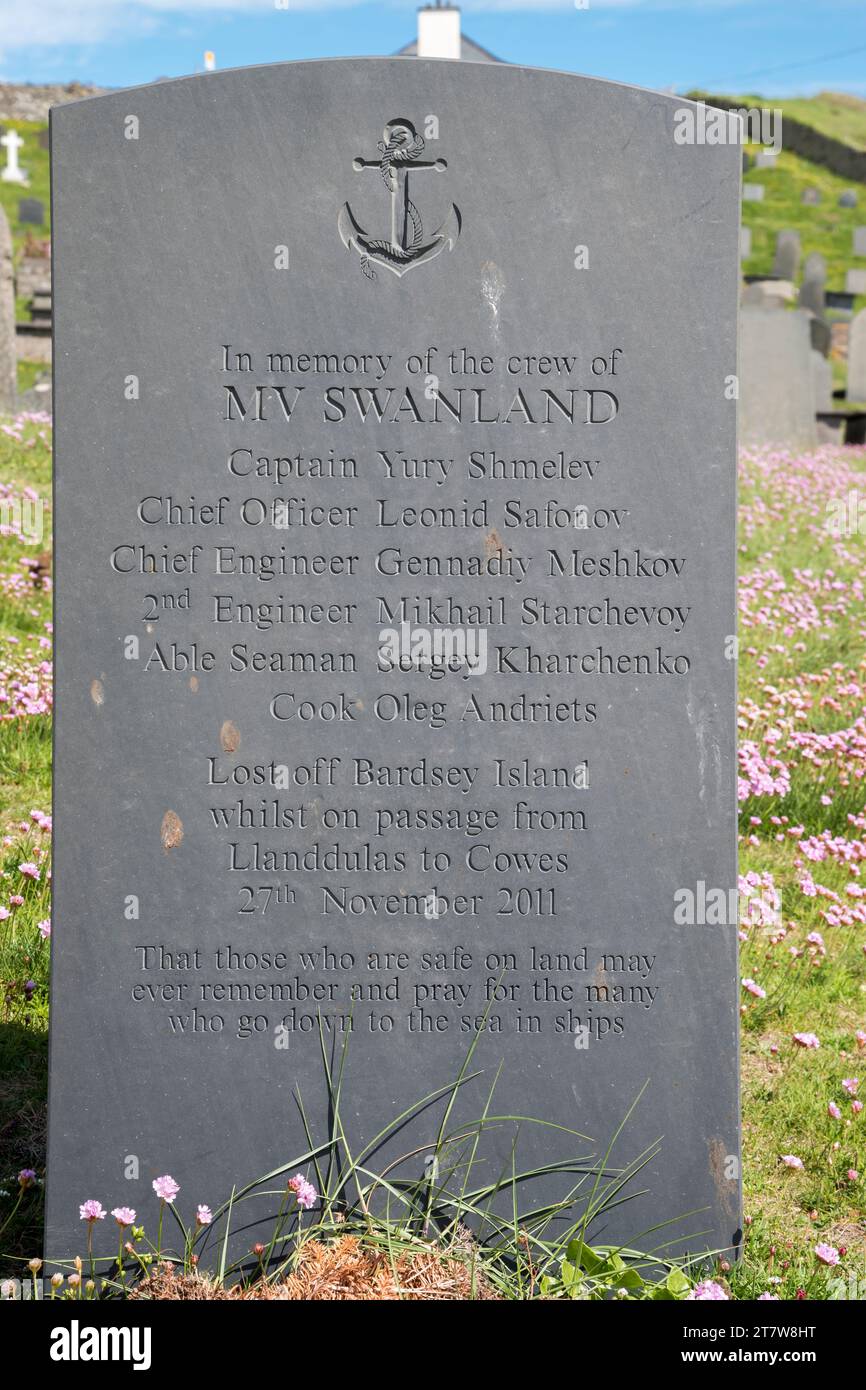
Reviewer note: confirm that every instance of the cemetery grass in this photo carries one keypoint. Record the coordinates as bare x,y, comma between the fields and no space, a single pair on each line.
802,670
25,787
825,228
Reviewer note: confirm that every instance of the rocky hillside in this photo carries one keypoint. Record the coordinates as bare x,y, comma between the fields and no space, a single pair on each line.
31,103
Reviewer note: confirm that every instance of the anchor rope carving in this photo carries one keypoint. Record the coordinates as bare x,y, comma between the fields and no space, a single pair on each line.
397,152
399,155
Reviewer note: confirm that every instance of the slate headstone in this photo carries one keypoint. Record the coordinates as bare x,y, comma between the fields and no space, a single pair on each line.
31,212
859,247
766,159
855,281
753,192
856,385
787,261
810,197
310,421
8,353
776,379
840,301
848,199
44,140
745,243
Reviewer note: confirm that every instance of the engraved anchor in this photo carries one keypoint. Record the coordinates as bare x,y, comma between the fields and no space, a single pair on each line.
399,155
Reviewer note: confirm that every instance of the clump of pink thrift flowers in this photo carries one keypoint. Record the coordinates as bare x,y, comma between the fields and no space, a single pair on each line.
305,1194
706,1290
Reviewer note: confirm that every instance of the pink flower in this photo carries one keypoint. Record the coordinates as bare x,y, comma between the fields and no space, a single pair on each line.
91,1211
856,1106
850,1084
166,1188
124,1216
833,1111
806,1040
853,1175
827,1254
707,1289
45,929
203,1216
861,1037
30,871
768,1298
305,1194
754,989
792,1161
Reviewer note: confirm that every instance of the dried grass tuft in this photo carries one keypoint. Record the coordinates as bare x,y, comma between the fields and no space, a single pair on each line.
340,1270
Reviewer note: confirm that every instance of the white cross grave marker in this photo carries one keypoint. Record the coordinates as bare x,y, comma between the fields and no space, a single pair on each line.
12,143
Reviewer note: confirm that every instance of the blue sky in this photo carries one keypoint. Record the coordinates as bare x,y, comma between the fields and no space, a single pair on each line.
775,47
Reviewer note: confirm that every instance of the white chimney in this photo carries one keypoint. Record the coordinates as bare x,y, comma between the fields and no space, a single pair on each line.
439,31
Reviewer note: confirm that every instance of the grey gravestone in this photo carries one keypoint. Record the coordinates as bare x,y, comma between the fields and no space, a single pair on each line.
856,387
815,267
753,192
44,140
230,308
822,382
776,378
860,241
848,199
812,290
811,197
765,159
8,353
787,261
31,212
745,243
747,161
820,335
855,281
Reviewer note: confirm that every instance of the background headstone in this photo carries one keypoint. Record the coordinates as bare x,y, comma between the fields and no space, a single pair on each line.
840,301
855,281
753,192
811,197
822,382
765,159
787,261
820,335
856,386
776,379
772,294
812,290
44,140
31,212
860,241
167,290
8,355
745,243
848,199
